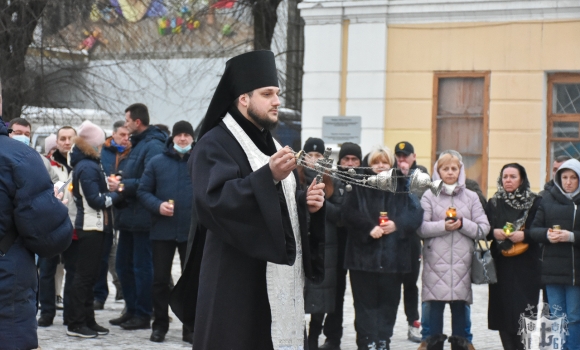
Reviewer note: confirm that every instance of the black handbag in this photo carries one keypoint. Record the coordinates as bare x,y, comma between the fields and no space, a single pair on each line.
482,264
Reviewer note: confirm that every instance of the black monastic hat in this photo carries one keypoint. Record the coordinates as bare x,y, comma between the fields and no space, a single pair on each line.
243,73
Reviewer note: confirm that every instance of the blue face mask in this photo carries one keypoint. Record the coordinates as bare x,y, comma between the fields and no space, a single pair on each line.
120,148
22,138
181,150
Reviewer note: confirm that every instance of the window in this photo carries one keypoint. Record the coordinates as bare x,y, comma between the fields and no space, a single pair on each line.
563,118
460,120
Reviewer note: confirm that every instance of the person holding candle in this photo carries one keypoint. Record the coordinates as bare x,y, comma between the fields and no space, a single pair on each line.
134,257
92,223
511,212
166,191
378,255
557,227
448,246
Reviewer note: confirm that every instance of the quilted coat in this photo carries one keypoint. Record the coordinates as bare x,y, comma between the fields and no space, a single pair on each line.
447,254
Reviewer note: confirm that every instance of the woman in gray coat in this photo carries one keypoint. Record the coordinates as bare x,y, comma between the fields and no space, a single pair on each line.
448,245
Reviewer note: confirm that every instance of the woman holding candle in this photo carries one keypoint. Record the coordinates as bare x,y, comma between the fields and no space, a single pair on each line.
511,211
448,246
378,252
557,227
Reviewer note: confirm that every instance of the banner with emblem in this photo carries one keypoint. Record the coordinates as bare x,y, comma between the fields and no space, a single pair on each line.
547,333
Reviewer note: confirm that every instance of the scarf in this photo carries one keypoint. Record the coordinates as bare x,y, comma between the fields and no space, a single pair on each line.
520,199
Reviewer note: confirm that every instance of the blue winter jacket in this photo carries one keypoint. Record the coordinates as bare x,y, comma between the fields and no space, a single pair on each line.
167,177
28,206
90,190
132,215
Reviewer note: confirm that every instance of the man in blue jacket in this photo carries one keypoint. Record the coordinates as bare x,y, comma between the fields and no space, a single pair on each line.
32,221
167,193
134,258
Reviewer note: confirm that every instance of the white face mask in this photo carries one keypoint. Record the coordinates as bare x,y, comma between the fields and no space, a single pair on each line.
22,138
181,150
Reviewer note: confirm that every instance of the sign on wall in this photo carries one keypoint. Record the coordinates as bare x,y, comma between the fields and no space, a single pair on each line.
341,129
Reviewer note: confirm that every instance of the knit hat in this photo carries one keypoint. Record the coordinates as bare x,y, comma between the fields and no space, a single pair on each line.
182,127
49,143
91,133
314,145
350,149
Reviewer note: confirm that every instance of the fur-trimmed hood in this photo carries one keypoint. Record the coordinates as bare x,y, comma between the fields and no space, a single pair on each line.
82,150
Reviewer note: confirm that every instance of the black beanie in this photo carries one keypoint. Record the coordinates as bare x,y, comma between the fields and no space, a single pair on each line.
350,149
182,127
314,145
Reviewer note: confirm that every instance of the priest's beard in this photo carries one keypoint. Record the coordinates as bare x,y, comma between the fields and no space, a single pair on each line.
262,119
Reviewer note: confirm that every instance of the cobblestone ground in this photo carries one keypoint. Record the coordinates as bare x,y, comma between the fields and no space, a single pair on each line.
54,337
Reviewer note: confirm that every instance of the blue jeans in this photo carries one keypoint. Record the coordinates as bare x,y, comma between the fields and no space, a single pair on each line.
46,293
435,310
101,290
568,298
425,329
135,271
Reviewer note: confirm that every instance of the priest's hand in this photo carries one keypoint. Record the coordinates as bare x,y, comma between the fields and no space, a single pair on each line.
315,196
282,163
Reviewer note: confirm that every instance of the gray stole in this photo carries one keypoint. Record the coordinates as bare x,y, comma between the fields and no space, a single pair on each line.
285,283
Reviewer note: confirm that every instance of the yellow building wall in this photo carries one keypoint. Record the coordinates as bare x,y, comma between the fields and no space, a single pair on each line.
518,55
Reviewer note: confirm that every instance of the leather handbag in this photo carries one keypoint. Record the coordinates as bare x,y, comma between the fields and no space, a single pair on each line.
517,248
482,264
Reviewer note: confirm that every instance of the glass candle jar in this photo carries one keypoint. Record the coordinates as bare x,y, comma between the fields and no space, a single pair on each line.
383,218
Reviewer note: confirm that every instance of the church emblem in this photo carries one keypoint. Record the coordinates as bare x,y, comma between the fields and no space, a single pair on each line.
543,332
401,145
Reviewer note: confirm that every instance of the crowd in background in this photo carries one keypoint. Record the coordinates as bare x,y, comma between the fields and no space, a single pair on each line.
381,237
129,198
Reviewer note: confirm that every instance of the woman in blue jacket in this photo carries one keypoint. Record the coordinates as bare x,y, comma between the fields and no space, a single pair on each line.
166,191
93,201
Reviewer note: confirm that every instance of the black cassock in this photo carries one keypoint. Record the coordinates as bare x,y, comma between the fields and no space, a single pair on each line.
243,225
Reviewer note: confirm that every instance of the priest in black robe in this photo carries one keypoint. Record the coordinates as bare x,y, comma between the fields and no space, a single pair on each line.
259,236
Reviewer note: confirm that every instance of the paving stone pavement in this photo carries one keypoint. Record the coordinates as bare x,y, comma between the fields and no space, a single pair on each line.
54,337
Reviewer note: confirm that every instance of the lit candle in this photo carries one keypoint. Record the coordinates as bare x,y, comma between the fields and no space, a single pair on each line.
451,213
508,229
383,219
556,228
121,187
171,203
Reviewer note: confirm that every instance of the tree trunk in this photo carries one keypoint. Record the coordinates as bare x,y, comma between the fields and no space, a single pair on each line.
265,19
18,20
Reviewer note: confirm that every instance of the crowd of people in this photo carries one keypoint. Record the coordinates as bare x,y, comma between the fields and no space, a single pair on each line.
259,247
540,254
129,201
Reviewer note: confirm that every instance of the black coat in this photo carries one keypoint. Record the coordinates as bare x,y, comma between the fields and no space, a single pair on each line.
242,213
561,261
321,297
391,253
518,276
